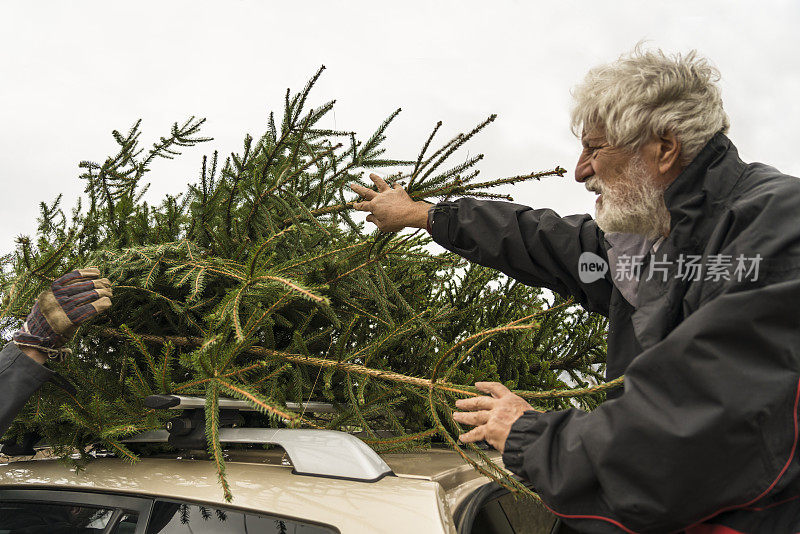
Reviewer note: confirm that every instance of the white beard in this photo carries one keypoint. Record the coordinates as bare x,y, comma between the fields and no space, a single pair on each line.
634,205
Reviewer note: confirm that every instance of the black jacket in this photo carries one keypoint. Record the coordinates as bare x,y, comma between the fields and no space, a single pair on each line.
20,377
706,429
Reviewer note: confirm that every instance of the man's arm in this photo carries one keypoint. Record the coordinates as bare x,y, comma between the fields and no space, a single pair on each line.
536,247
71,300
20,377
707,423
34,354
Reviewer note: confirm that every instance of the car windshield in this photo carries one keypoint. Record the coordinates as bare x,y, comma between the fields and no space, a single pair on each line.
46,518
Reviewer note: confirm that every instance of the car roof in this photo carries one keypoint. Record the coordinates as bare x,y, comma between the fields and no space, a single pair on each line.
455,475
262,480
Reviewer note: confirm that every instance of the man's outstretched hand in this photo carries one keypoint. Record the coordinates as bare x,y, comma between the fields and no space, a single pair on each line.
71,300
391,209
492,416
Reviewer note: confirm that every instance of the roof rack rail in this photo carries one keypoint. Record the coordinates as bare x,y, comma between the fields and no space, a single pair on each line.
327,453
183,402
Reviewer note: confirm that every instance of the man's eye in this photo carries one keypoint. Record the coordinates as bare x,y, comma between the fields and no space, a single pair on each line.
593,149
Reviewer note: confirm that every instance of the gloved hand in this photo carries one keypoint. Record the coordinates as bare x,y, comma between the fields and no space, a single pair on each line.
71,300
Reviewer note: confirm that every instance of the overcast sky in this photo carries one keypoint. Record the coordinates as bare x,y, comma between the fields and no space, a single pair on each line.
70,72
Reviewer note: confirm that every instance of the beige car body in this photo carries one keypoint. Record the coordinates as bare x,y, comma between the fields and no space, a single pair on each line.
421,498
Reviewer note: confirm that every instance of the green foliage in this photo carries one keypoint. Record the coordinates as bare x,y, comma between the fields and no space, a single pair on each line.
256,283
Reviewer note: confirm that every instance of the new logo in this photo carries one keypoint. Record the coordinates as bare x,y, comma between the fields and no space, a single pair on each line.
591,267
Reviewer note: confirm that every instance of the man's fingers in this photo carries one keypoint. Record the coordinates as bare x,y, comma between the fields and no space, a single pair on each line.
475,403
476,434
104,292
495,389
471,418
102,283
78,275
74,288
361,206
101,305
80,299
81,285
89,272
379,182
84,313
365,192
371,218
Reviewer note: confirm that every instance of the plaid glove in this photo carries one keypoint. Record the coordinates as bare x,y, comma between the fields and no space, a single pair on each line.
72,300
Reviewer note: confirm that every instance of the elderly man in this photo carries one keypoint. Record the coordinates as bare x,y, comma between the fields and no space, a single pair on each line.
705,328
73,299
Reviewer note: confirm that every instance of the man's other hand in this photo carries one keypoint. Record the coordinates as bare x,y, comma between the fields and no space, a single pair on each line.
492,416
391,208
73,299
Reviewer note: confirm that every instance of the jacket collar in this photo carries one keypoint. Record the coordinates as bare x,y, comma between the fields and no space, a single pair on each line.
705,183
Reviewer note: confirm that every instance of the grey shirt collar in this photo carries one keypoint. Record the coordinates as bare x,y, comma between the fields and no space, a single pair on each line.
625,249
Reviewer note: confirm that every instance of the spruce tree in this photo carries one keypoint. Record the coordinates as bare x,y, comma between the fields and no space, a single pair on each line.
256,283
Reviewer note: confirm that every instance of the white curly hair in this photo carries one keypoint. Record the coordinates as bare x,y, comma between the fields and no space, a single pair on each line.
645,93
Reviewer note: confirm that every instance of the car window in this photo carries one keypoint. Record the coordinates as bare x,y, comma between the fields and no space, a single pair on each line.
184,518
47,518
49,511
126,524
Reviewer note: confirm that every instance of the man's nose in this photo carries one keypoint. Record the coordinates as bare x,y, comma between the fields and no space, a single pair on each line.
584,168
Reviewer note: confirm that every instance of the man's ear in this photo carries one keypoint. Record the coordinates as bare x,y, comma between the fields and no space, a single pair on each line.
668,153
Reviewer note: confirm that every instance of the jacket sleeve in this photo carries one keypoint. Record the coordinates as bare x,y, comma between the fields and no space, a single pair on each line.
20,377
707,422
535,246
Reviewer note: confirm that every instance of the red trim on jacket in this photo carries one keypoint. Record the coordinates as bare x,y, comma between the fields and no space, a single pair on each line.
780,475
597,517
711,529
699,527
772,505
